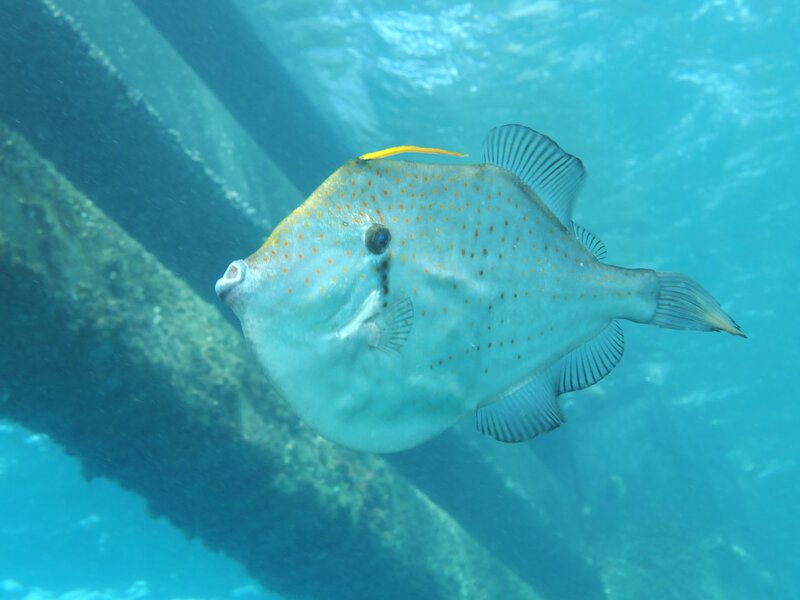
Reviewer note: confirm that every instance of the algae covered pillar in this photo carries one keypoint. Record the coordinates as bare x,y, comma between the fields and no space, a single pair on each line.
120,362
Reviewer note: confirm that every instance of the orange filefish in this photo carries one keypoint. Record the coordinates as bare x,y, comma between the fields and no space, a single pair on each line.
402,296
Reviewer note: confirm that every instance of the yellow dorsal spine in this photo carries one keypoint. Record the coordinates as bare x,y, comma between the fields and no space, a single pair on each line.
403,149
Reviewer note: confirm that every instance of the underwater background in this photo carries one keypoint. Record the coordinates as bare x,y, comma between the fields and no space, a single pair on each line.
676,477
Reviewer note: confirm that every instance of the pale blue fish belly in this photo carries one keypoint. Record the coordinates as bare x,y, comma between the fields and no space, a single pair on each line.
472,296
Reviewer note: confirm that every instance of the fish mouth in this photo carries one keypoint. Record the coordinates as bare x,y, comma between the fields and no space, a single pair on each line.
234,276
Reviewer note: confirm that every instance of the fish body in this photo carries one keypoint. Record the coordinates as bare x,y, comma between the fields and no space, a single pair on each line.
401,296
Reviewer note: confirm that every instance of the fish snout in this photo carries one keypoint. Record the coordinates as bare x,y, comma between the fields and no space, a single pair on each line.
234,276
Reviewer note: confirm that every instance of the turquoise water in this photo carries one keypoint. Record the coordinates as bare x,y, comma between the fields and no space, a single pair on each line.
687,117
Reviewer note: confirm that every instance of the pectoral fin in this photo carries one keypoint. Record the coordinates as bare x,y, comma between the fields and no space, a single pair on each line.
393,323
380,324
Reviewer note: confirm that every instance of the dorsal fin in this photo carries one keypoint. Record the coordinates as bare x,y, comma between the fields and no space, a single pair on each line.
403,149
552,174
593,243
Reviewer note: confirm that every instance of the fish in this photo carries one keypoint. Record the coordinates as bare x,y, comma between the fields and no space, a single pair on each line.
402,296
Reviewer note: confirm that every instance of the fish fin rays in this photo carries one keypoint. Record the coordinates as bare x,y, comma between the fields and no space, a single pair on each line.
394,323
682,303
532,408
553,175
592,361
525,411
593,243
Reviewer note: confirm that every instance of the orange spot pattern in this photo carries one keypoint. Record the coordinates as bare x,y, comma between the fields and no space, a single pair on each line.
448,223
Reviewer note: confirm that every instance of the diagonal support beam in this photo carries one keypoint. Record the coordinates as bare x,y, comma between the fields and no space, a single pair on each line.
116,359
220,45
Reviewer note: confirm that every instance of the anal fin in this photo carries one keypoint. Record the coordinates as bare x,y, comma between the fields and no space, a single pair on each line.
525,411
532,408
589,363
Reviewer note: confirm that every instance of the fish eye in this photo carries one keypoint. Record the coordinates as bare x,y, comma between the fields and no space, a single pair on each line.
377,238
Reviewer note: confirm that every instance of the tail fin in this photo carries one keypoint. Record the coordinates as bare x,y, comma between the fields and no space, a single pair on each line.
684,304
